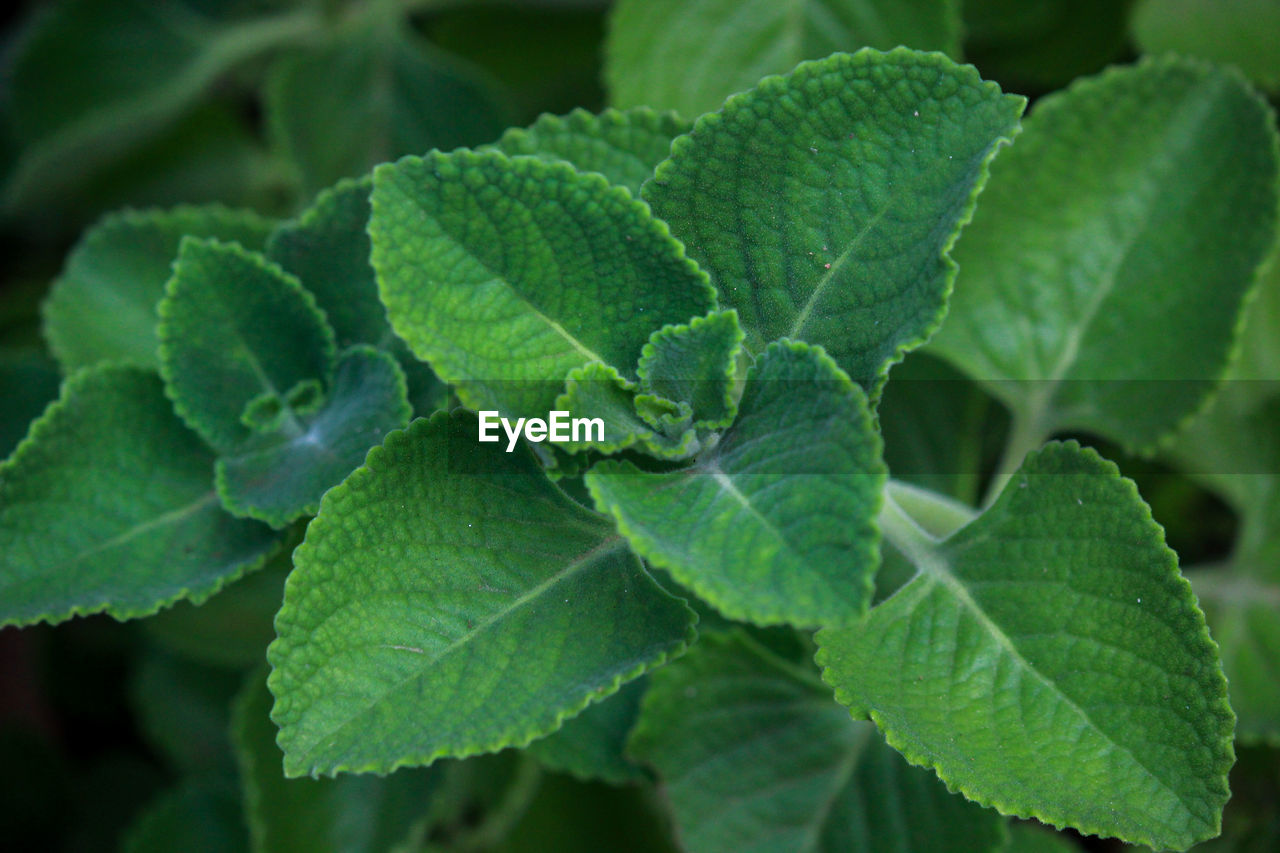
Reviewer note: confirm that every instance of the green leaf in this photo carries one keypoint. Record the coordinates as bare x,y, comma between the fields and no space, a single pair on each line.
1240,32
622,145
183,709
1030,838
198,815
108,506
505,274
776,524
449,600
1049,661
755,756
591,745
1056,311
823,203
28,382
350,814
597,391
693,363
372,95
279,476
689,55
103,306
234,327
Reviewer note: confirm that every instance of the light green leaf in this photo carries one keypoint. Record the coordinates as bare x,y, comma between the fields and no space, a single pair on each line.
198,815
108,506
1105,270
823,203
279,476
756,757
597,391
622,145
1049,661
103,306
505,274
1239,32
693,363
591,745
374,94
350,814
449,600
689,55
776,523
236,330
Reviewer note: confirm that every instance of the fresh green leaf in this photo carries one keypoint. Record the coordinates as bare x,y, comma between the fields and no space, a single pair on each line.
622,145
279,476
776,523
1057,310
449,600
1240,32
505,274
234,327
183,709
103,306
1049,661
200,814
693,363
350,814
28,382
597,391
374,94
823,203
591,745
755,756
108,506
689,55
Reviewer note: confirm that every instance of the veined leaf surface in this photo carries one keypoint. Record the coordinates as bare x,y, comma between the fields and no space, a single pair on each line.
823,203
448,601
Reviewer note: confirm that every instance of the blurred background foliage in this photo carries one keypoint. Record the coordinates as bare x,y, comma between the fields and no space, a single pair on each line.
117,734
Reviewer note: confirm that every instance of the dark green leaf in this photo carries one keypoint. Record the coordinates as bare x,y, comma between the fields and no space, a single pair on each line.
823,203
199,816
184,711
590,746
776,522
505,274
449,600
108,505
28,382
103,306
1048,660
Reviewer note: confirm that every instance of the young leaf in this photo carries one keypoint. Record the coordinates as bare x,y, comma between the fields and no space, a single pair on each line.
373,95
597,391
591,745
505,274
449,600
693,363
755,756
689,55
776,524
103,306
1240,32
280,475
823,203
622,145
1049,661
350,814
1058,311
108,506
236,330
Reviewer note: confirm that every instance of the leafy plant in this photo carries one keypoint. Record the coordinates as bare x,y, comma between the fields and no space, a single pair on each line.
811,326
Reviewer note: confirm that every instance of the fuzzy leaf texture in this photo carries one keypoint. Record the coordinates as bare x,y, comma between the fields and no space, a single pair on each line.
1105,270
103,306
694,363
823,203
622,145
597,391
108,506
505,274
776,523
689,55
449,600
1049,661
756,758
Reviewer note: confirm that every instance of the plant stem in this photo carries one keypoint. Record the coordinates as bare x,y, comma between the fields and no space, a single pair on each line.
936,514
904,532
1028,434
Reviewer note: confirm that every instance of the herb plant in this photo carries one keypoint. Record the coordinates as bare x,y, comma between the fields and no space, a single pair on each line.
844,567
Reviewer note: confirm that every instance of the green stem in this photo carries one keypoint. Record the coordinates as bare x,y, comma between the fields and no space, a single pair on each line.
905,533
934,513
1028,434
